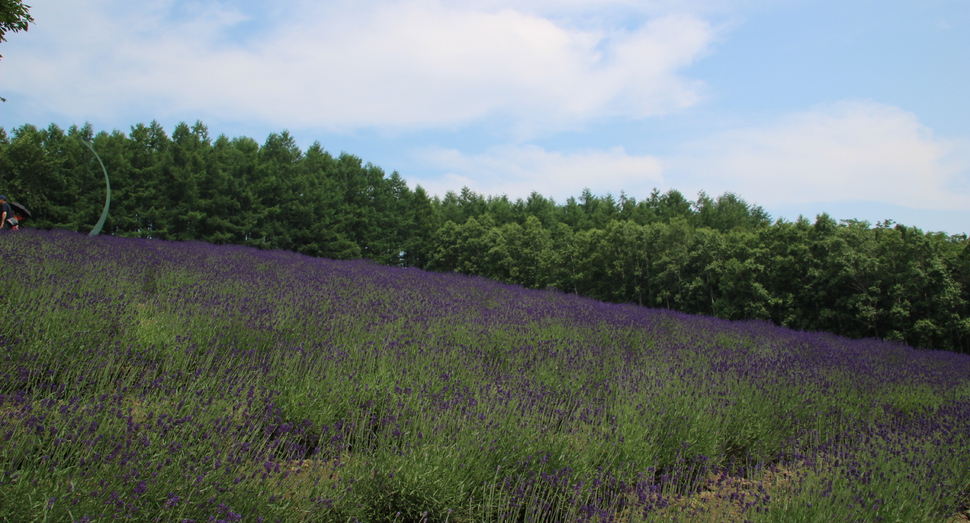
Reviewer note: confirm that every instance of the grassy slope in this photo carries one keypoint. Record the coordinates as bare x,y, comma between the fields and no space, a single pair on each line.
156,380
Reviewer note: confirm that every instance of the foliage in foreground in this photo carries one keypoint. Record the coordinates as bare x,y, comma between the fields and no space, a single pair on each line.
161,381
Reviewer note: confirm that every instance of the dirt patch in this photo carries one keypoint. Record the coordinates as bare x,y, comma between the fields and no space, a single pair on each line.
726,498
730,499
964,516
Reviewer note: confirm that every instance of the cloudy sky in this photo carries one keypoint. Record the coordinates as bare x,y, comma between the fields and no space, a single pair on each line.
858,108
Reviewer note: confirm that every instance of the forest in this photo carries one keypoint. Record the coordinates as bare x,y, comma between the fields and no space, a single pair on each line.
718,256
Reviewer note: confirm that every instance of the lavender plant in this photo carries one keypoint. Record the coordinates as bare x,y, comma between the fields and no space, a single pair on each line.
163,381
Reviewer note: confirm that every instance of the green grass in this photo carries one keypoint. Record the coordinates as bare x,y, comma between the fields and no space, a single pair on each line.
162,381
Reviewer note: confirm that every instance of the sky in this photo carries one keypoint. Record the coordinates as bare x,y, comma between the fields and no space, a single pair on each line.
857,108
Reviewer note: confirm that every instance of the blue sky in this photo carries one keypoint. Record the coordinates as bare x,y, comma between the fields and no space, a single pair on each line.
857,108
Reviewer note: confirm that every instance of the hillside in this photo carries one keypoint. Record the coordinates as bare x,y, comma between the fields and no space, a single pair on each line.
718,256
155,380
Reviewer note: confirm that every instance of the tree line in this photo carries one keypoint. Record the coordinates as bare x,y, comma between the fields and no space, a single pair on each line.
718,256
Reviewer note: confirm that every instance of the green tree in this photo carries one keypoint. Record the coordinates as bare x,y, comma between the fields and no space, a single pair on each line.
560,261
706,269
221,196
274,180
31,174
572,214
519,254
788,267
142,202
743,287
390,223
464,248
672,243
599,211
426,221
637,212
588,263
627,261
502,210
727,212
14,17
181,190
670,205
315,215
919,287
542,208
83,169
443,254
366,202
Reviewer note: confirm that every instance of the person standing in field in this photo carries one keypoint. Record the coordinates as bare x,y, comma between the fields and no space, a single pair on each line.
9,218
6,213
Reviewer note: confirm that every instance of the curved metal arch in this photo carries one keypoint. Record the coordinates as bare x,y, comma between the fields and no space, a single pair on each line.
107,198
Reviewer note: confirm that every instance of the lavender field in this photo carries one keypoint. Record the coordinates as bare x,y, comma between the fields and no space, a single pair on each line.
160,381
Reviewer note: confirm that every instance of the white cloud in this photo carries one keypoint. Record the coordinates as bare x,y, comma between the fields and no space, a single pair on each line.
841,152
518,170
585,8
340,65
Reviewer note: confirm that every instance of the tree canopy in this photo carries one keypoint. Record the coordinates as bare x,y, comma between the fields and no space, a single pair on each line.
14,17
718,256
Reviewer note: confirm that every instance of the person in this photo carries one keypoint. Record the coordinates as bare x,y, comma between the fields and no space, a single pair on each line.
6,214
